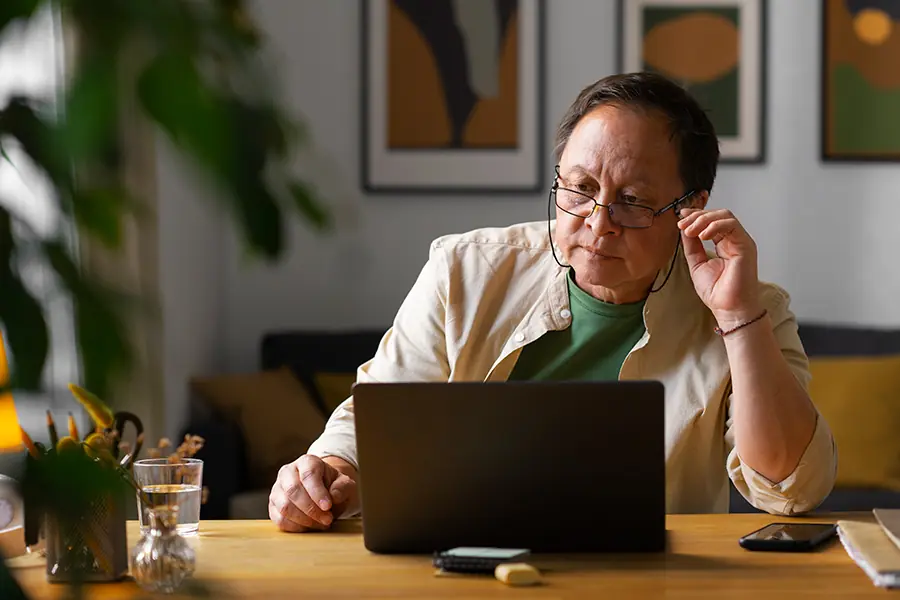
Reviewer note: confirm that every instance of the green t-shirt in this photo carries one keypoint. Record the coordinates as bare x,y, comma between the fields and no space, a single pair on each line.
593,348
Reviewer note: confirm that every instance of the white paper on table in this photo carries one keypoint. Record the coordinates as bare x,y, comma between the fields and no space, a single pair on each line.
870,548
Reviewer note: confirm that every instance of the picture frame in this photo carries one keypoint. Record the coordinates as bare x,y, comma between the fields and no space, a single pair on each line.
716,49
860,60
432,123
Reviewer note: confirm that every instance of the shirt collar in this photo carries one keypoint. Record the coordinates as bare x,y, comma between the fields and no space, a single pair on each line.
674,297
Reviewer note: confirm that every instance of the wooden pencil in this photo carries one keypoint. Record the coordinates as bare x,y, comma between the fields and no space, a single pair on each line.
26,439
51,429
73,429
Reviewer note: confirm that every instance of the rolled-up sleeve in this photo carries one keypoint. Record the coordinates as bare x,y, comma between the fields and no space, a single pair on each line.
801,491
813,478
413,349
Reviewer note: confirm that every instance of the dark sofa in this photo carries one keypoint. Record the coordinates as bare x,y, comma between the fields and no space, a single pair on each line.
310,352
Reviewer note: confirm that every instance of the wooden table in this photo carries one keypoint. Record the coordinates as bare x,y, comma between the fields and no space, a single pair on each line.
251,559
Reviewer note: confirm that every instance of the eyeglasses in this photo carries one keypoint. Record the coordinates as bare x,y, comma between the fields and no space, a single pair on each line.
623,214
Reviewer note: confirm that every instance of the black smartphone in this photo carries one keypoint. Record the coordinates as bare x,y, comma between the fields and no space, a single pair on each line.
789,537
476,559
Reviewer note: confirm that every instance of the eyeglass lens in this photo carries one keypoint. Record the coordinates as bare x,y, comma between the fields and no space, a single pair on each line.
623,214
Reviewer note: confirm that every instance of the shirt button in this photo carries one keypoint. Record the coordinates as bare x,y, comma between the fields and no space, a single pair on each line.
565,313
520,337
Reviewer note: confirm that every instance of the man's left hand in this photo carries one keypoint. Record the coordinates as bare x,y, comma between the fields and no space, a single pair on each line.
728,283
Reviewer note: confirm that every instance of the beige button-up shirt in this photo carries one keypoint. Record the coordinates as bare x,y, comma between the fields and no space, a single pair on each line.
484,295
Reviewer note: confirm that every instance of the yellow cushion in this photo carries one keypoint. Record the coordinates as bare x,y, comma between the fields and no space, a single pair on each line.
859,397
273,409
334,388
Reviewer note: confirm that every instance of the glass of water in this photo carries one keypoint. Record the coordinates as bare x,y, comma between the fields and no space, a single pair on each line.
174,484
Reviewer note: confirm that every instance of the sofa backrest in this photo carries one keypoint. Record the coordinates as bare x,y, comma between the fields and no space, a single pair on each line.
834,340
309,353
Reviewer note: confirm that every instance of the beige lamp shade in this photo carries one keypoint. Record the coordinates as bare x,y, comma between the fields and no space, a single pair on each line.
10,436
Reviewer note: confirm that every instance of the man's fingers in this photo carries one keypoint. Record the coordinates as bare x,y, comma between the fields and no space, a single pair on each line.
287,516
299,480
342,490
337,494
313,474
310,494
300,498
694,252
717,230
694,223
283,523
288,477
689,216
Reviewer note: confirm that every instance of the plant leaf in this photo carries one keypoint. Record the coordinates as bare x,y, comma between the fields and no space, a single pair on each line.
272,130
102,338
68,486
22,317
261,221
62,263
105,349
100,212
10,10
92,106
174,95
100,24
26,332
306,203
7,241
172,22
38,138
229,138
97,408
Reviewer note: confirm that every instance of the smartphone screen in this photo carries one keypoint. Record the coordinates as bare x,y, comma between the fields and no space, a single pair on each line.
793,532
789,537
487,553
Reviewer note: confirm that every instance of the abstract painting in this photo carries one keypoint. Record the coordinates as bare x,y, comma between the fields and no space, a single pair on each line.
861,80
713,48
452,96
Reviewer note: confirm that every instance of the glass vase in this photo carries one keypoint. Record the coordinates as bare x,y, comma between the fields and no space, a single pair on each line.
162,559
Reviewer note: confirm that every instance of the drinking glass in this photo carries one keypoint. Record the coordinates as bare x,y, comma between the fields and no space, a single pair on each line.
167,483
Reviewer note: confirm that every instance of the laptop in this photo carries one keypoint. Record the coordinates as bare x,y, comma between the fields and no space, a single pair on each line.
545,466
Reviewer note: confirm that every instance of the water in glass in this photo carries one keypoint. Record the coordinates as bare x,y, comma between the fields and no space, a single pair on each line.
185,497
174,484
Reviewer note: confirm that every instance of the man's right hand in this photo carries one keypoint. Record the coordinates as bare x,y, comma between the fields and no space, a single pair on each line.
310,493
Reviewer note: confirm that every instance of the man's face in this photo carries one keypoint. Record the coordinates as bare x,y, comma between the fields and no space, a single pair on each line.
618,154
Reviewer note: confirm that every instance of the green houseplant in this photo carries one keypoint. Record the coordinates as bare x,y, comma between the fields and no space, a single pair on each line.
191,68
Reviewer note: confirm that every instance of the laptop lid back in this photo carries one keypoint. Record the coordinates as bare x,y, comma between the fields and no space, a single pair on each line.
549,466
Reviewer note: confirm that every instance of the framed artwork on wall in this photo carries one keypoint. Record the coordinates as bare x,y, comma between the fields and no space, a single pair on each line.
861,80
715,49
452,96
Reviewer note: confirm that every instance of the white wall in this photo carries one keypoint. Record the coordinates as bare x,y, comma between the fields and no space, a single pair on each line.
190,281
830,234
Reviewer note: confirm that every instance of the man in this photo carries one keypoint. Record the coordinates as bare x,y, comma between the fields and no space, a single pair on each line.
623,290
